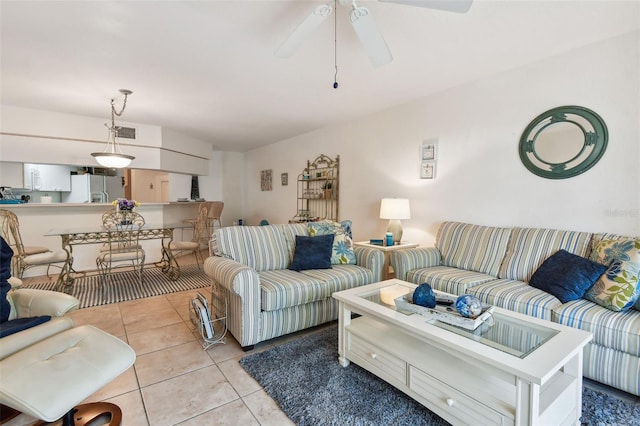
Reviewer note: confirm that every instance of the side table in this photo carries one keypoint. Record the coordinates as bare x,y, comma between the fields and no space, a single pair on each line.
386,250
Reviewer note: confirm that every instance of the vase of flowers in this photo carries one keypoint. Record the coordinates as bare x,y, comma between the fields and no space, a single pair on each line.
125,206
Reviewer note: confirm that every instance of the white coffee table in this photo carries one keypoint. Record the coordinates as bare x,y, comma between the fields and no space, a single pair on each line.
520,371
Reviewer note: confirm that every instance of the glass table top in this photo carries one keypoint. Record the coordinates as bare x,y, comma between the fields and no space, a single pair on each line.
503,332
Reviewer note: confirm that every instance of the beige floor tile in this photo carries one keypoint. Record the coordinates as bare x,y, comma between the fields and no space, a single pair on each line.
133,412
232,414
171,362
160,338
124,383
241,381
266,410
144,321
106,318
183,397
144,306
181,301
230,350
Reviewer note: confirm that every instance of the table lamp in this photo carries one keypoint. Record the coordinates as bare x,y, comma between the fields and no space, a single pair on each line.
395,209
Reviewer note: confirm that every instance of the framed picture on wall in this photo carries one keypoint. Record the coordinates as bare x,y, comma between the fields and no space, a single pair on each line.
265,180
284,179
428,170
428,151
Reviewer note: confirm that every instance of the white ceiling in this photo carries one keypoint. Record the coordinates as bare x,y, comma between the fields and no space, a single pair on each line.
207,68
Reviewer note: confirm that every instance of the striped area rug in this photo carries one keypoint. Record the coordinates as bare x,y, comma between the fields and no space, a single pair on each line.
124,286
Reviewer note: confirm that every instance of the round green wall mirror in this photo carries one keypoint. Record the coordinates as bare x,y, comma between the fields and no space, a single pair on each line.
563,142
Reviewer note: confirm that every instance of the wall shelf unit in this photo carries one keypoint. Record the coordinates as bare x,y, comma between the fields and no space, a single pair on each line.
318,190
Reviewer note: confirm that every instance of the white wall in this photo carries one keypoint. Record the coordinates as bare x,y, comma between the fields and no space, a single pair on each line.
479,177
233,188
35,136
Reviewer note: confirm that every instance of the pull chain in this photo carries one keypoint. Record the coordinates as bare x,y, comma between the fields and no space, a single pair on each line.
335,43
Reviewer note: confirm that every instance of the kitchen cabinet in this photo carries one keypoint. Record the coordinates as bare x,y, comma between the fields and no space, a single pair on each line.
11,175
47,177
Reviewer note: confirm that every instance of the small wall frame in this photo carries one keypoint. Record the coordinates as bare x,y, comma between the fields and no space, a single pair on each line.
265,180
427,170
428,150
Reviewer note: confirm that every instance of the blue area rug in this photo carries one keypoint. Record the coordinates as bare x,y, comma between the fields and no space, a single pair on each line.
312,388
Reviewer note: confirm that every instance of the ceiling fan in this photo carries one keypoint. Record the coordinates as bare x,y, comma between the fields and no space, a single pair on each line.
364,26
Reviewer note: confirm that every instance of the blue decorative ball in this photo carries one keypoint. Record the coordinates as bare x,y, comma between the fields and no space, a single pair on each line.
469,306
424,296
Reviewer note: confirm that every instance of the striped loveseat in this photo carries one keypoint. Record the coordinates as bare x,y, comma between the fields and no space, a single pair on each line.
496,265
267,300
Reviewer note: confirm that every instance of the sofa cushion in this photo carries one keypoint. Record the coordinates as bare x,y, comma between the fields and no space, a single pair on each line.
343,253
617,330
614,368
284,288
618,289
566,275
342,277
290,231
517,296
262,248
529,247
450,280
312,252
473,247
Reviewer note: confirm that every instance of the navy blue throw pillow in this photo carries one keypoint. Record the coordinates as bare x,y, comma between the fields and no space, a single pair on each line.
10,327
5,272
312,252
567,276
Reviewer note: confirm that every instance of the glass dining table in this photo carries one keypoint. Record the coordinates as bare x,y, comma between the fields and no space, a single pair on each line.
72,236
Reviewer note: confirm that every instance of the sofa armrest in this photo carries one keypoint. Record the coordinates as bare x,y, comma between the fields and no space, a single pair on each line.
371,259
242,286
29,302
404,261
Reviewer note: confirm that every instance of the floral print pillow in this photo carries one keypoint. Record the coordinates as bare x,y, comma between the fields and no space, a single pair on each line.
617,289
342,253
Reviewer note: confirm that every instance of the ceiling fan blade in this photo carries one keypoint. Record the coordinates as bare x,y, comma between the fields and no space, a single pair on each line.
372,40
304,30
458,6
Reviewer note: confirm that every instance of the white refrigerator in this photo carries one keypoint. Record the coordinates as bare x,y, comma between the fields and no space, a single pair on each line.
94,189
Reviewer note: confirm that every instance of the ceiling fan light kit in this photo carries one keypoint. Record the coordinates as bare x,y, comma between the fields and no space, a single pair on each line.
364,26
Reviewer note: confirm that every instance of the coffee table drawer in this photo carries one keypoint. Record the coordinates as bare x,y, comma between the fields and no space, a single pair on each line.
376,360
467,410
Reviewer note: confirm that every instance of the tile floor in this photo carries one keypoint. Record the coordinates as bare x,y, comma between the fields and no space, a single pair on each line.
174,381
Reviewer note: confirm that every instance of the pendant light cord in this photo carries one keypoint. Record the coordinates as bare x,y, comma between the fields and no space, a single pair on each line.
335,43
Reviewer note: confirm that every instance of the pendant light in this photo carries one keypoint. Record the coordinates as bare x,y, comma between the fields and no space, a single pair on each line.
112,156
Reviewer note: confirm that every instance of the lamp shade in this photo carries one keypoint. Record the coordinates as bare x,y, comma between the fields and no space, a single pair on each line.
395,208
115,161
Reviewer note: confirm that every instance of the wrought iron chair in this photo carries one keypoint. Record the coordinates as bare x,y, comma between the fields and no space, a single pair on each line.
194,246
213,219
4,218
124,250
26,257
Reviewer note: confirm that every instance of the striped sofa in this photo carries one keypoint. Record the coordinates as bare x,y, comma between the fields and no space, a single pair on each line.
266,299
496,264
